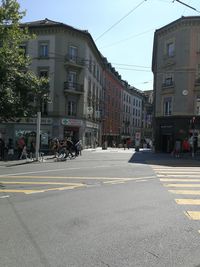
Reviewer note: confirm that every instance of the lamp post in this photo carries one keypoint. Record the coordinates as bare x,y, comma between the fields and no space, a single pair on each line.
37,147
38,126
193,133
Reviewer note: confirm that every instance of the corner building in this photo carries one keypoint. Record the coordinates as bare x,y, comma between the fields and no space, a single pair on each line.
74,66
176,69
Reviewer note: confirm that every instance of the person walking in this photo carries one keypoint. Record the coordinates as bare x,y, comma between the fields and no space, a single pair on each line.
10,147
24,152
78,148
2,149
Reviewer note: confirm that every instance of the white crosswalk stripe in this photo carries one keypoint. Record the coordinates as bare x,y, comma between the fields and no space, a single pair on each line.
183,182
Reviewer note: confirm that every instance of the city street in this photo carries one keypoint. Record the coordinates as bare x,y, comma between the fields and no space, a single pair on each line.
109,207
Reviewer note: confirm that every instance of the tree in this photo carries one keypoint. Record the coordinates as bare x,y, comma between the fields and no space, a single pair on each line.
20,88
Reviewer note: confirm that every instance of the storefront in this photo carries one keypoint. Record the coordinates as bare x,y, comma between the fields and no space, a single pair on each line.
27,128
92,136
168,130
72,128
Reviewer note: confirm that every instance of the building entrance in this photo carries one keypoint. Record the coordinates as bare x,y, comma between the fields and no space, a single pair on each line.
167,144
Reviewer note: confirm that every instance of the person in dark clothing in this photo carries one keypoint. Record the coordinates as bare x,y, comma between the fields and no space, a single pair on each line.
10,148
2,149
70,147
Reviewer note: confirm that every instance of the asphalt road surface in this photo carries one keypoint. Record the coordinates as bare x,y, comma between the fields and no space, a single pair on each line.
109,208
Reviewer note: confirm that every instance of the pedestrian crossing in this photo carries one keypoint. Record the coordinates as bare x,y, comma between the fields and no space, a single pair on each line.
184,184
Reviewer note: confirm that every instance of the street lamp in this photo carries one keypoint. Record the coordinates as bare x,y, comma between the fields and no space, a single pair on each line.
37,145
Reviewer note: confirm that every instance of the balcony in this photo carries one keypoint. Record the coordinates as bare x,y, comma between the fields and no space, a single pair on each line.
73,88
74,61
168,83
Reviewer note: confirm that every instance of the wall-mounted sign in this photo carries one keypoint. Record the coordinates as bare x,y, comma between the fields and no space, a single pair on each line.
33,121
71,122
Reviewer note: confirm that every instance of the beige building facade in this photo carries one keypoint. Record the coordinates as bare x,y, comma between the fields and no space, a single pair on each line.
176,69
74,66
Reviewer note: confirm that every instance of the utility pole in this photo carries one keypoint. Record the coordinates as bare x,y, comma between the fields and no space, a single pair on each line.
37,147
193,133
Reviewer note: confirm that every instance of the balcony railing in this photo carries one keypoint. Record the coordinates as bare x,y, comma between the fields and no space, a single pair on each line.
168,84
75,88
75,61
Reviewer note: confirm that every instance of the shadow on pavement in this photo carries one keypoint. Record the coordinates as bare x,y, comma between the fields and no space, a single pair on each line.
164,159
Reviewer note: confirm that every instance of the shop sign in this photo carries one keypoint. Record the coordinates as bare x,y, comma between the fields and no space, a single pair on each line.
71,122
137,136
91,125
34,121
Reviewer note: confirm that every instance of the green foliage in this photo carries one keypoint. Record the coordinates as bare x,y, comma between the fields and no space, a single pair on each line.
19,87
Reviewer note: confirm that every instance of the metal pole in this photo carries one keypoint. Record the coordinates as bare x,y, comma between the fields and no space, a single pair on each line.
37,148
193,143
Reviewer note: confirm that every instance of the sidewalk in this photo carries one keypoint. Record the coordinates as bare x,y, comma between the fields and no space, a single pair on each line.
141,156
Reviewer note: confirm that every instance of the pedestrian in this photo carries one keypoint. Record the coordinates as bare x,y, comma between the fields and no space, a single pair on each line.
32,150
71,147
24,152
177,148
10,147
78,148
20,146
2,149
186,146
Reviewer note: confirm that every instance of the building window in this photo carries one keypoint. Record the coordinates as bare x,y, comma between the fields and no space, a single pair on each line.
71,108
198,74
170,49
43,73
43,49
73,53
72,79
23,48
167,106
168,80
198,105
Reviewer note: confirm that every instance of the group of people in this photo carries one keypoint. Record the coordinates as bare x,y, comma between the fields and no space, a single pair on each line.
26,150
65,148
179,147
7,150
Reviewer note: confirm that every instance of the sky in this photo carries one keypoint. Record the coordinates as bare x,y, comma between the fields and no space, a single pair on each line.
123,30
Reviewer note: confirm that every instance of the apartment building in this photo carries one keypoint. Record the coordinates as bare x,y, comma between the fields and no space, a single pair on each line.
87,100
147,121
74,66
111,120
136,113
176,69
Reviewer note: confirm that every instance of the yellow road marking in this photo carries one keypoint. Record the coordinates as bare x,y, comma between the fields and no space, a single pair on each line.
75,177
179,180
188,201
178,175
193,215
115,182
185,192
181,171
28,191
40,183
181,185
62,177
